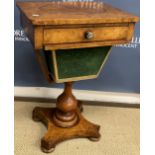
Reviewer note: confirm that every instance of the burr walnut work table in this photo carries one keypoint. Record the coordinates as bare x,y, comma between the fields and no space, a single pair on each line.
72,41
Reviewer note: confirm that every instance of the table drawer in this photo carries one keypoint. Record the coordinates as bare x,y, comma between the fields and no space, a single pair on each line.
80,35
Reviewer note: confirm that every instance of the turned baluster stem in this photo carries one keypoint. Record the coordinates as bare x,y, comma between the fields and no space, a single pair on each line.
68,88
65,115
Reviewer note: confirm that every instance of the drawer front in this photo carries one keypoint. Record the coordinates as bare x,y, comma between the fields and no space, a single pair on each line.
81,35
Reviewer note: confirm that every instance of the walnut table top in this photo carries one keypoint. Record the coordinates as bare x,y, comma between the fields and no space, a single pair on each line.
60,13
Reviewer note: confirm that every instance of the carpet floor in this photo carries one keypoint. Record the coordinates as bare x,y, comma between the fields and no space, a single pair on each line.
119,131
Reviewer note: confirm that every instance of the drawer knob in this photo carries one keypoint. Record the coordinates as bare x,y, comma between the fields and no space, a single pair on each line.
89,35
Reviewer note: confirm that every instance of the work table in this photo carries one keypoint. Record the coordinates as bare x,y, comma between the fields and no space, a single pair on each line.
72,41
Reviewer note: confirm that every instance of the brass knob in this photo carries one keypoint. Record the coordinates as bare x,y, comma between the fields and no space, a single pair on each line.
89,35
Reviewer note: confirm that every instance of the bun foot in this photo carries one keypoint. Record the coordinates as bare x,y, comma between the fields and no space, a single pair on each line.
35,115
94,139
46,150
80,106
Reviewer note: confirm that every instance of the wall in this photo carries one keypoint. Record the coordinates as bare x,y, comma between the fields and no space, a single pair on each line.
120,74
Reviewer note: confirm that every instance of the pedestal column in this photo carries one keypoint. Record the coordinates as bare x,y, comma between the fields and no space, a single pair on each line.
66,115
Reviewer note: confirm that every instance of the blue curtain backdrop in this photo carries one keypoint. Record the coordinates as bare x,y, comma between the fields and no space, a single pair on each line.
120,74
